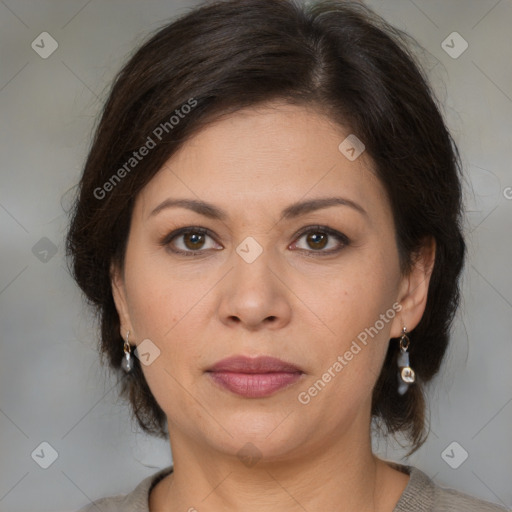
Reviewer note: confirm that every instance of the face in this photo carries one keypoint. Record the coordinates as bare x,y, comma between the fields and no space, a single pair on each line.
302,284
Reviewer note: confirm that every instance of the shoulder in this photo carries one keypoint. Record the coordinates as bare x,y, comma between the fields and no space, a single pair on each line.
136,501
423,495
451,500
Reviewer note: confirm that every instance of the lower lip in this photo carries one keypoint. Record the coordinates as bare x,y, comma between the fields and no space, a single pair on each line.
254,385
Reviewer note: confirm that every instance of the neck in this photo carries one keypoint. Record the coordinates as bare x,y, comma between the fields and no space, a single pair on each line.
345,477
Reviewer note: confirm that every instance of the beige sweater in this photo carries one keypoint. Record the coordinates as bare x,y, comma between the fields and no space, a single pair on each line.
420,495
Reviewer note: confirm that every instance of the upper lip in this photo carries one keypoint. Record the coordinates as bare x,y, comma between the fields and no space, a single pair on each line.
260,364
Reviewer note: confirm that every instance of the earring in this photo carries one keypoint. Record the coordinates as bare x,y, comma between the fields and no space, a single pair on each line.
405,374
127,362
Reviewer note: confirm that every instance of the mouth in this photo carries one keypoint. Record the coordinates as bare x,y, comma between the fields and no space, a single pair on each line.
254,377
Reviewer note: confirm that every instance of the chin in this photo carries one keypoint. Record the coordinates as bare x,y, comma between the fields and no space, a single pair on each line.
258,437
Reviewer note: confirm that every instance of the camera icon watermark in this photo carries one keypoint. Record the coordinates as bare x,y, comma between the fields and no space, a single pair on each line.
249,250
249,455
454,45
147,352
454,455
352,147
44,250
44,455
44,45
507,192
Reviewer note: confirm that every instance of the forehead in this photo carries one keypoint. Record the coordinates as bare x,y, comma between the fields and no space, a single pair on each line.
270,154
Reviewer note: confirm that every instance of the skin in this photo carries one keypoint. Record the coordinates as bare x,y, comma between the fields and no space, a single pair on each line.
291,303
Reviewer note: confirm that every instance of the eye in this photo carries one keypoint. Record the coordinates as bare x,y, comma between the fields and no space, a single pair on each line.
318,238
189,241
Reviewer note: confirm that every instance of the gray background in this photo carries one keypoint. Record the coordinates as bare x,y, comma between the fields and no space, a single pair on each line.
52,388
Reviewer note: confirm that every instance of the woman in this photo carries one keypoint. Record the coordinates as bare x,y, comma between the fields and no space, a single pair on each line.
269,225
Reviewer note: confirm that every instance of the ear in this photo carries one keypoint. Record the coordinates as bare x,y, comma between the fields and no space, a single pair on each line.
414,289
120,300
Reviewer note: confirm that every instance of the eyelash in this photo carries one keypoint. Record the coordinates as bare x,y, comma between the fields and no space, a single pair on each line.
343,239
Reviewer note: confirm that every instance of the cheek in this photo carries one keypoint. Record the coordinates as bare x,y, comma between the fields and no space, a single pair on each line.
163,308
351,306
158,298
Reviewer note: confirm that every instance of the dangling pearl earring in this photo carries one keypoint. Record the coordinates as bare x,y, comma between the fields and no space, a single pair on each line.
406,374
127,362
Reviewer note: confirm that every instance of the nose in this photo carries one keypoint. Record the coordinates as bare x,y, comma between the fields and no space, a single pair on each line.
254,295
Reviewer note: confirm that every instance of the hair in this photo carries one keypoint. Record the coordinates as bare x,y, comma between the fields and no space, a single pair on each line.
338,57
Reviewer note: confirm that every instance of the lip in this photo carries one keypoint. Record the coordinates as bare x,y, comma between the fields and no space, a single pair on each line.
260,364
257,377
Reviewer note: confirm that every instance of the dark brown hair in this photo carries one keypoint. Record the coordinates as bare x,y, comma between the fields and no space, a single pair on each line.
336,56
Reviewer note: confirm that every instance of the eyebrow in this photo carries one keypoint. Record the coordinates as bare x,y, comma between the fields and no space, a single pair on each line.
294,210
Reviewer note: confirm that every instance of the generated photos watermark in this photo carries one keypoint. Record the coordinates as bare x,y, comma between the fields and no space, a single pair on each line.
304,397
137,156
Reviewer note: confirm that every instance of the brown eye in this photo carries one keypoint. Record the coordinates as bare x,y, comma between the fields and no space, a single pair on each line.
193,241
189,241
317,240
